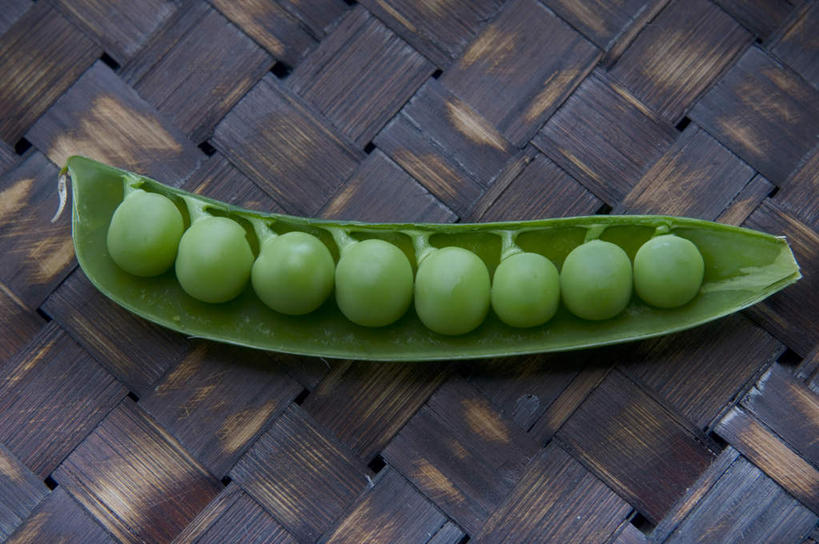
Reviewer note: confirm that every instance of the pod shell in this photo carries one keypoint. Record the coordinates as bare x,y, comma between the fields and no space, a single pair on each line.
742,267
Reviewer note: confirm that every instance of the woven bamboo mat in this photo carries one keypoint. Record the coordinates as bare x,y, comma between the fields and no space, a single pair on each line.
114,430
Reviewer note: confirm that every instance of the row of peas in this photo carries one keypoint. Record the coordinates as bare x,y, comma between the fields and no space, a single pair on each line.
294,273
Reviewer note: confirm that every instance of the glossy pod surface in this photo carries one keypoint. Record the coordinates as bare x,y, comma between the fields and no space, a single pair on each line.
741,267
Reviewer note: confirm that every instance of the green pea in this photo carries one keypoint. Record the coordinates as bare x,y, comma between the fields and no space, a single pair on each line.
293,273
452,291
668,271
595,281
373,283
525,290
214,260
144,233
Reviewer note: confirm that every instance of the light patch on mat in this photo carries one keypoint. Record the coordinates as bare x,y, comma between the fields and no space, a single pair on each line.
433,479
484,422
111,132
473,126
14,198
553,89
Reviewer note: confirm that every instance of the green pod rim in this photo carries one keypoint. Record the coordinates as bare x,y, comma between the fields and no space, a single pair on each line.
742,267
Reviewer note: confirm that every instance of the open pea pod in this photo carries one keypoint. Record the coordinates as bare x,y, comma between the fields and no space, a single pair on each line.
742,267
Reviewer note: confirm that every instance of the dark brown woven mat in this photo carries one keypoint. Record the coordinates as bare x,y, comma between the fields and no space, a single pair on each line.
112,429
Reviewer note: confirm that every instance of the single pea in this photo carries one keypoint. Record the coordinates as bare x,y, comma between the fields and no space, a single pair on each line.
595,281
214,260
452,291
668,271
373,283
525,290
293,273
144,233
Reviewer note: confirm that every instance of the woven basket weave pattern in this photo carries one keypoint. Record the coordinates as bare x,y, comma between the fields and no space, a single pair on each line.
115,430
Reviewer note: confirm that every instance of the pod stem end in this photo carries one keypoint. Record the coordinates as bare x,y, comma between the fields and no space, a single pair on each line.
62,193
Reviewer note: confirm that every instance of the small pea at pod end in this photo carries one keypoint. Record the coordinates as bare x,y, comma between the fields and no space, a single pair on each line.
452,291
668,271
373,283
144,233
596,280
525,290
293,273
214,260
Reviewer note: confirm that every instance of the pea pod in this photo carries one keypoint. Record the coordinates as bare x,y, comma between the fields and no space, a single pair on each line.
742,267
